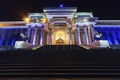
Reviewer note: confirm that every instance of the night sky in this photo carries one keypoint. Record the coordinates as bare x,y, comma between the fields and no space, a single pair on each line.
16,9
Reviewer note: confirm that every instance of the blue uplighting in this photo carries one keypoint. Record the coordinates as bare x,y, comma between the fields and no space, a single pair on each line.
118,36
108,38
110,33
9,36
61,5
115,38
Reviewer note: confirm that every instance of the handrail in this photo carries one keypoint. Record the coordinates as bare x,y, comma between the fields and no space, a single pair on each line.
86,47
37,47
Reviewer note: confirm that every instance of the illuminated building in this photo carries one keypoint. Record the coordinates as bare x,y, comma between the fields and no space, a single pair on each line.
60,26
59,38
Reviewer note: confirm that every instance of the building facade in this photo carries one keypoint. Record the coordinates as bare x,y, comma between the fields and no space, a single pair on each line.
60,26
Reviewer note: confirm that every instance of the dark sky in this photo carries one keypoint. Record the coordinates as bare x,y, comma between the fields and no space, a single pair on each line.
16,9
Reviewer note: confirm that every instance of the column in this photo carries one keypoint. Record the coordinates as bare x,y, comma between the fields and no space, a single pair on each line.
73,38
50,37
8,38
70,36
41,35
89,34
86,35
92,33
78,32
2,38
14,34
28,34
38,36
35,35
31,34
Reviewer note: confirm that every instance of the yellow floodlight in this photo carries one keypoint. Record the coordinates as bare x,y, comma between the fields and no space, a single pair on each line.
26,19
43,20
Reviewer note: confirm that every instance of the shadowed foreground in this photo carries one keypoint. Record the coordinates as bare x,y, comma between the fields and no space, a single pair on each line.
61,62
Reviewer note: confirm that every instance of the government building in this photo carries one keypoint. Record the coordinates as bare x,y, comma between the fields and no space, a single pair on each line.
60,26
60,43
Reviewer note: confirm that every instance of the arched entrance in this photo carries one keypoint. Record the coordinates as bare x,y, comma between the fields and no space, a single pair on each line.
60,37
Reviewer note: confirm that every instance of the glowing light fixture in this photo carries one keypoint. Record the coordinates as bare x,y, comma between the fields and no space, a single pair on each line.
27,20
43,20
61,5
85,20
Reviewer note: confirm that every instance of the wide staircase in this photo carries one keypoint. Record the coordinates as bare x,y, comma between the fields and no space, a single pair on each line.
60,61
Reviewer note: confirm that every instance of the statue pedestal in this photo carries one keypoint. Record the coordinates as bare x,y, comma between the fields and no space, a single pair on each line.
100,44
22,45
60,41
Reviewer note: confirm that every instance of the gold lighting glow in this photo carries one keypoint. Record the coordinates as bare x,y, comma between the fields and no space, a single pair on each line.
26,19
43,20
60,34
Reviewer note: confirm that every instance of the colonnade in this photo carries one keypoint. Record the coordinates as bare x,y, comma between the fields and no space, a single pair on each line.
8,36
36,33
68,27
85,34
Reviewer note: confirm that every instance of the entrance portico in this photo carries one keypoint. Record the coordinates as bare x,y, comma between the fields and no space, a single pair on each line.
62,26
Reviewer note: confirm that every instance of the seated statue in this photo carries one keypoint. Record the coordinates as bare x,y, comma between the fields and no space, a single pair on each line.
60,40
